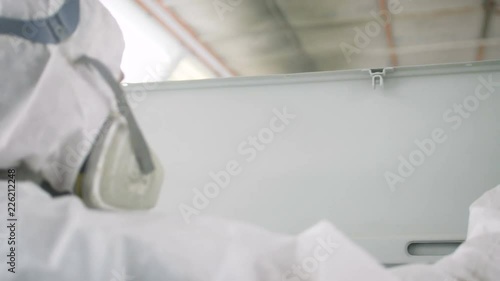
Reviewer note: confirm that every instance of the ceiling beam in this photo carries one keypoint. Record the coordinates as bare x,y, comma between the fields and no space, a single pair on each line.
489,7
281,19
361,19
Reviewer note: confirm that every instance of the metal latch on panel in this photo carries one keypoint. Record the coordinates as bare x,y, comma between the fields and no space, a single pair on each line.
377,75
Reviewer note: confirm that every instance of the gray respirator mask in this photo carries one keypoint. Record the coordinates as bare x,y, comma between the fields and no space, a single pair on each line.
120,173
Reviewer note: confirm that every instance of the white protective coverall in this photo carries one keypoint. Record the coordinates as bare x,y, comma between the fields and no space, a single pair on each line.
61,239
49,108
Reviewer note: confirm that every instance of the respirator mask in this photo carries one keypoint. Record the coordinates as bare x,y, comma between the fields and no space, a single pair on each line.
117,171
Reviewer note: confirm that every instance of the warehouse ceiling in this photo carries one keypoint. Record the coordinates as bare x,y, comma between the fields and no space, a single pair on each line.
259,37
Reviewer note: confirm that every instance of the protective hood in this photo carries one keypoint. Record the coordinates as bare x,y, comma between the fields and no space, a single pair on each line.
51,109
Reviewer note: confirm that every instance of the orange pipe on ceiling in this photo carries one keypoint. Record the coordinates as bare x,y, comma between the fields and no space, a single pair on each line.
389,36
190,31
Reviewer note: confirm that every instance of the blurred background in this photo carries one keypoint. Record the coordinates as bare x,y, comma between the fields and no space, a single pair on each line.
199,39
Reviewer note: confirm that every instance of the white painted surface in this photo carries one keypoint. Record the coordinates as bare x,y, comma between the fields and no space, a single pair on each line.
329,163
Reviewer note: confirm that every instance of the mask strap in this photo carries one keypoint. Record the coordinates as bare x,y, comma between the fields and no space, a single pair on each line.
139,145
51,30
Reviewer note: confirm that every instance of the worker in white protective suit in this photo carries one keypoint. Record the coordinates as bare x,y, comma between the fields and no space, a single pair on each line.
65,122
65,127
